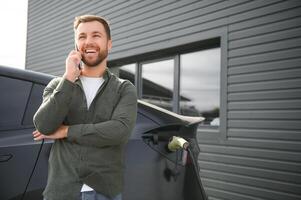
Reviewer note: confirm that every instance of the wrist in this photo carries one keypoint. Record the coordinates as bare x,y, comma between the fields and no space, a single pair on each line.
69,78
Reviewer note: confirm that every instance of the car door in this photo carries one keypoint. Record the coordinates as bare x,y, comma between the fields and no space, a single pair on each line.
18,151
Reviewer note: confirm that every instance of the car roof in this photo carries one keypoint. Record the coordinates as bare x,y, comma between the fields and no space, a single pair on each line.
27,75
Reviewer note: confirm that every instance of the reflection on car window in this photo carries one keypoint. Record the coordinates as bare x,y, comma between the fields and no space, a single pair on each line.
128,72
200,84
157,83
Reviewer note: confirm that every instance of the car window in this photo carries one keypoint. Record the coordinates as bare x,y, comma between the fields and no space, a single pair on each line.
34,102
13,101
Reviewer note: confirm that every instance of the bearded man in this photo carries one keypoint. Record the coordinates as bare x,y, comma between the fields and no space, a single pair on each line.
90,114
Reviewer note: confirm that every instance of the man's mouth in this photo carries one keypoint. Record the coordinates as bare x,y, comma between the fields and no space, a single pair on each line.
88,51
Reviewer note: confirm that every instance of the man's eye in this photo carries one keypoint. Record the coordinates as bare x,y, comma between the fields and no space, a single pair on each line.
97,36
81,37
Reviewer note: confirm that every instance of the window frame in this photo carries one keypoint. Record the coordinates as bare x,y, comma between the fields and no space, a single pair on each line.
139,82
202,41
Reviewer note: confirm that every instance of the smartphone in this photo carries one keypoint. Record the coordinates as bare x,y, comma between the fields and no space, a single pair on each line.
80,63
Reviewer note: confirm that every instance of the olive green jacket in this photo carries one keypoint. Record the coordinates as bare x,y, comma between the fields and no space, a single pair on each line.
93,152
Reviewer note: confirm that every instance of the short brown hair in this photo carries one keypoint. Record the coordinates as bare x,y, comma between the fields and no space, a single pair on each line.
89,18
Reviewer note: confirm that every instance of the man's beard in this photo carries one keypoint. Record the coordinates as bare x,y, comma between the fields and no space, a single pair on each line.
102,54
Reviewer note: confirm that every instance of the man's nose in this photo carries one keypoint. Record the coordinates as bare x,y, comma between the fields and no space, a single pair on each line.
89,40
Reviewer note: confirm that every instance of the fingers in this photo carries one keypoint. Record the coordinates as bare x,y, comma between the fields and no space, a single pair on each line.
41,137
75,56
38,136
36,133
60,133
76,53
72,71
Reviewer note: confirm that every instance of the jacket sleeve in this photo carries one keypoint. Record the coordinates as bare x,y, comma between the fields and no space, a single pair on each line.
114,131
54,108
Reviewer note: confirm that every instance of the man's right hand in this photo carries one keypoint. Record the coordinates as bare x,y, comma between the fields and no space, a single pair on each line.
72,71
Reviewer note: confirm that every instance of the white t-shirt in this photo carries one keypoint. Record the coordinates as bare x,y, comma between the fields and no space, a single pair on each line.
90,86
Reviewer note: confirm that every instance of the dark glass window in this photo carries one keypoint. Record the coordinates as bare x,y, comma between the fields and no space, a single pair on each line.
128,72
34,103
157,83
194,91
13,101
200,84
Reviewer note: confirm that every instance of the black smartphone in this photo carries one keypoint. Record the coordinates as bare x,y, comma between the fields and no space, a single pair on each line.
80,63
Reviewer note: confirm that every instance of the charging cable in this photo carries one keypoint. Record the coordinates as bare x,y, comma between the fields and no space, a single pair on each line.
177,143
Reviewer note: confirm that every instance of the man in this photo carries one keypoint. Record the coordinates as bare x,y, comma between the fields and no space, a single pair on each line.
90,113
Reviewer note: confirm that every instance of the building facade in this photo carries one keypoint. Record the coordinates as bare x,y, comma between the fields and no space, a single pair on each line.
235,62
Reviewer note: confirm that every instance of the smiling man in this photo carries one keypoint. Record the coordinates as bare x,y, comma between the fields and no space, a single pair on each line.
90,113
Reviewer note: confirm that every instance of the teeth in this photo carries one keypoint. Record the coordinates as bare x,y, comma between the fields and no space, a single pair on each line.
90,51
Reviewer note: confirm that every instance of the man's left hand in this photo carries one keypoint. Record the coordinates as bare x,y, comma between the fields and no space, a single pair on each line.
60,133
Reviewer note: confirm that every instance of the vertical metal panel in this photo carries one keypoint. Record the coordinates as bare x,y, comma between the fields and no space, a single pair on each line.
176,93
223,84
255,154
139,80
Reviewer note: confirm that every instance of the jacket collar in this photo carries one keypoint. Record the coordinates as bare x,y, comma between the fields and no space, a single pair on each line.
106,76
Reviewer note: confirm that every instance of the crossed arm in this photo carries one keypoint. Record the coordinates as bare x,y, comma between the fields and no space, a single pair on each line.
49,117
60,133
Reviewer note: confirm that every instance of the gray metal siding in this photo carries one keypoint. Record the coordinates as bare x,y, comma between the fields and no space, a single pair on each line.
260,158
256,154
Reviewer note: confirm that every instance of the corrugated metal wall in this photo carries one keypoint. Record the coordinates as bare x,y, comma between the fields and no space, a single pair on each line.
259,157
258,154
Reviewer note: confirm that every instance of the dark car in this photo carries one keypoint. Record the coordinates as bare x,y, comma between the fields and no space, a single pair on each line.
152,171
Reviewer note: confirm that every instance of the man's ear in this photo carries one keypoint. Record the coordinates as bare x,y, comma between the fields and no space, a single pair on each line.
75,46
75,43
109,45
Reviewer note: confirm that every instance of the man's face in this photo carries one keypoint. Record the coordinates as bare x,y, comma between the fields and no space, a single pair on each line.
92,42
